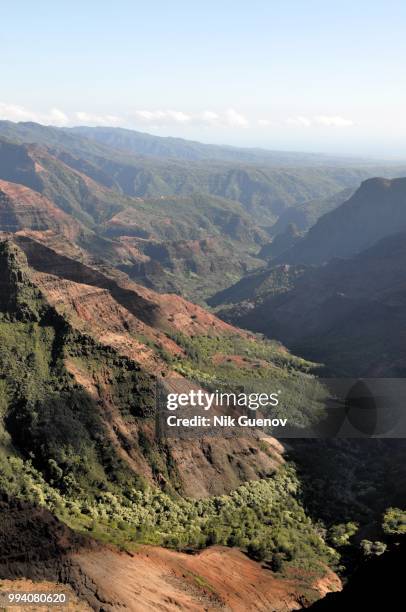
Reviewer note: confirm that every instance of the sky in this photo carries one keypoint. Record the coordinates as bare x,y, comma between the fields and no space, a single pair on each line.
303,75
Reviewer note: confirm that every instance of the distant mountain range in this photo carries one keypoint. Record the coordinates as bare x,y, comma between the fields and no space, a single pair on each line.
265,190
141,143
125,196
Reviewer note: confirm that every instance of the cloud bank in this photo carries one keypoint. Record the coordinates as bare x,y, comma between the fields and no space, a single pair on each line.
229,117
167,118
13,112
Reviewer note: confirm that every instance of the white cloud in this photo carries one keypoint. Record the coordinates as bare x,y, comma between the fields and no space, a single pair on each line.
147,116
209,117
265,122
13,112
230,118
235,119
92,119
54,116
178,116
323,120
333,120
57,117
160,116
300,120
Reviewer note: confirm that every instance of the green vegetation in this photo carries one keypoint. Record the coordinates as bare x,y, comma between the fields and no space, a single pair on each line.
394,522
253,289
341,534
254,365
276,182
266,354
56,450
265,517
198,243
372,549
46,415
349,486
55,453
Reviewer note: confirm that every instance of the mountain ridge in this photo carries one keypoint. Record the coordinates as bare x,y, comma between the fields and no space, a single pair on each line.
376,210
143,143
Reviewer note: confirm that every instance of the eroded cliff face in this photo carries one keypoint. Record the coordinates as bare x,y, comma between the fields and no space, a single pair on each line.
24,208
133,323
71,191
166,312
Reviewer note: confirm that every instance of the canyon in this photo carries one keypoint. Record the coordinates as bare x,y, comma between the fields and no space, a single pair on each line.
104,252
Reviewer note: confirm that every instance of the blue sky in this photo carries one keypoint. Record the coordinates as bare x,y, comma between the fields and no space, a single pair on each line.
303,75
